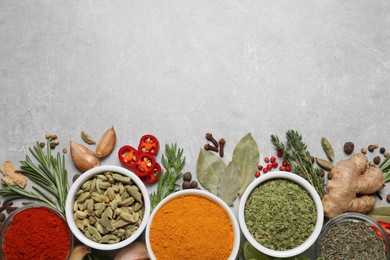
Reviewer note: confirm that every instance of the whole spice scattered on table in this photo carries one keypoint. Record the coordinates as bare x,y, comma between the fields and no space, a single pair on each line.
352,240
280,214
191,227
37,233
48,172
229,181
297,156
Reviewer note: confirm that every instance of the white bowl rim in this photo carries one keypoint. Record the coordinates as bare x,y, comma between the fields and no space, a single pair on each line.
313,193
207,195
76,186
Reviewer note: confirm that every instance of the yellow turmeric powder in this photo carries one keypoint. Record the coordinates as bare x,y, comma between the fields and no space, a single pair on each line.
191,227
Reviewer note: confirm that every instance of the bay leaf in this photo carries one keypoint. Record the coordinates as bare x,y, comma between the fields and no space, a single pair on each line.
246,155
209,168
229,183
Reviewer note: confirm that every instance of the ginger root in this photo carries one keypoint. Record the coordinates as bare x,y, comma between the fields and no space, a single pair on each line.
11,176
351,187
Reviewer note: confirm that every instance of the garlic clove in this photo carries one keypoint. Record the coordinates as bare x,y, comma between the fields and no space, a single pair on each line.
106,143
79,252
134,251
83,158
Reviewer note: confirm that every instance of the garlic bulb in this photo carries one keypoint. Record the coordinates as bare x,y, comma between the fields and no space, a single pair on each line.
106,143
82,157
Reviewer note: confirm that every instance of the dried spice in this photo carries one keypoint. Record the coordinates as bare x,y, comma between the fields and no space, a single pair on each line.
348,147
327,147
12,176
352,240
108,208
191,227
37,233
246,154
280,214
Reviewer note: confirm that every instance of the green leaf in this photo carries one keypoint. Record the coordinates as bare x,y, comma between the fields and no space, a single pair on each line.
252,253
229,183
209,168
246,155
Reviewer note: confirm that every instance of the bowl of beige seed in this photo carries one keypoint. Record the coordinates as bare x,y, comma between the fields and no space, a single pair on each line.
107,207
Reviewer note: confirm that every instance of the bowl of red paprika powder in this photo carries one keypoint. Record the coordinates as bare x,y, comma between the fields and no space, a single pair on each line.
35,232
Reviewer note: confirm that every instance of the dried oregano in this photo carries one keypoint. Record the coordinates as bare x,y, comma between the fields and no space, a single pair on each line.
280,214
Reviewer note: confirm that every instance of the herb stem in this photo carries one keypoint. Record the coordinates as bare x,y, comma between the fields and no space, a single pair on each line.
173,162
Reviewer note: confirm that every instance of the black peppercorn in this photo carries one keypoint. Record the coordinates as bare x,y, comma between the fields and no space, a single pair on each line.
187,176
382,150
186,185
348,147
75,177
377,160
371,148
194,184
388,198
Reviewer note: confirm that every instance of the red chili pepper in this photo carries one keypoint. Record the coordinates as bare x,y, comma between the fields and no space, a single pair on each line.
148,144
385,226
144,164
153,176
128,156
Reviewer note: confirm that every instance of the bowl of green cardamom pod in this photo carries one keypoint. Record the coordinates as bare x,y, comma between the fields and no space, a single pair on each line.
107,207
281,214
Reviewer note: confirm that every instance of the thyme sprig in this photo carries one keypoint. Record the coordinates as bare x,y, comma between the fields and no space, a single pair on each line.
295,153
167,183
48,172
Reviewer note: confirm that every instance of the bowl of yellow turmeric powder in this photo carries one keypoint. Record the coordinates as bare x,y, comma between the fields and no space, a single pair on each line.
192,224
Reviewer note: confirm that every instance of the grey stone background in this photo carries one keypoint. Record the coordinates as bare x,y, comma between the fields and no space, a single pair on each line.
179,69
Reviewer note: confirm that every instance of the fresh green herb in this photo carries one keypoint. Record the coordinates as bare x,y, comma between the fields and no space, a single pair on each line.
385,168
295,153
48,172
352,240
167,183
280,214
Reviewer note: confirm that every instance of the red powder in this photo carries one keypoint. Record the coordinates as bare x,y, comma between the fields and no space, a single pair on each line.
37,233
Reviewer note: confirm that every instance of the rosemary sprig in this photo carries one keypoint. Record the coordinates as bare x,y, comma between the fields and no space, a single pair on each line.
167,183
49,173
385,168
295,153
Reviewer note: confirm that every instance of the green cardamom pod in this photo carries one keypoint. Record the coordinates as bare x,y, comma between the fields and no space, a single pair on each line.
87,138
327,148
327,166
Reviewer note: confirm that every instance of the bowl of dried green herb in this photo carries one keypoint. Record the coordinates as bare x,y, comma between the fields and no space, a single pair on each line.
281,214
352,235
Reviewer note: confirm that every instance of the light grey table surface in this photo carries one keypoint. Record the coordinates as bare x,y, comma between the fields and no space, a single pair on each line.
179,69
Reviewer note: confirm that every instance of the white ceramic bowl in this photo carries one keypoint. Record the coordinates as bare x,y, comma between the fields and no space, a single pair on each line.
307,186
71,198
207,195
